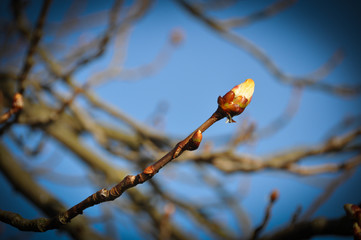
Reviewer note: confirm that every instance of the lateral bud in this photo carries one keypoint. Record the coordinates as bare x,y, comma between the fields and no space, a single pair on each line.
194,142
149,170
18,102
177,36
274,196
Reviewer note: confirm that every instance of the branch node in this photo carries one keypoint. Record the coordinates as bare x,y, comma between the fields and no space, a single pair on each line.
64,218
104,193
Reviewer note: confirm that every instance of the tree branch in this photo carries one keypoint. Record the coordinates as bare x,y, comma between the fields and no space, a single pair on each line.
231,104
131,181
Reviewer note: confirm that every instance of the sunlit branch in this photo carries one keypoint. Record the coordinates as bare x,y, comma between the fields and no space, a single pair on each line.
231,104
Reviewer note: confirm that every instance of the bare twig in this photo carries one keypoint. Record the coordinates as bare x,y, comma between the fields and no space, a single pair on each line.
272,199
267,12
104,40
34,42
28,62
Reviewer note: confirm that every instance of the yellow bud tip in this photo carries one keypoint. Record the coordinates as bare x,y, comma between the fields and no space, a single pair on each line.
243,93
244,89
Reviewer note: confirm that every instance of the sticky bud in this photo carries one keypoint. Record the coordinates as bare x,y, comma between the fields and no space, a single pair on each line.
274,195
18,102
195,141
235,101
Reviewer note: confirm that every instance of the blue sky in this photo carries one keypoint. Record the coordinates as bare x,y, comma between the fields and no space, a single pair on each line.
204,66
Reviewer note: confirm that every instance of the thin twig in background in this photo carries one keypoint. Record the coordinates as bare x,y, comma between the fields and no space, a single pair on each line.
272,199
36,36
259,54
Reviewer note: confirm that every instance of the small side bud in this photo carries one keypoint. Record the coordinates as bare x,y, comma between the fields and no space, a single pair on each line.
195,141
169,209
18,102
197,137
149,170
274,196
177,36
